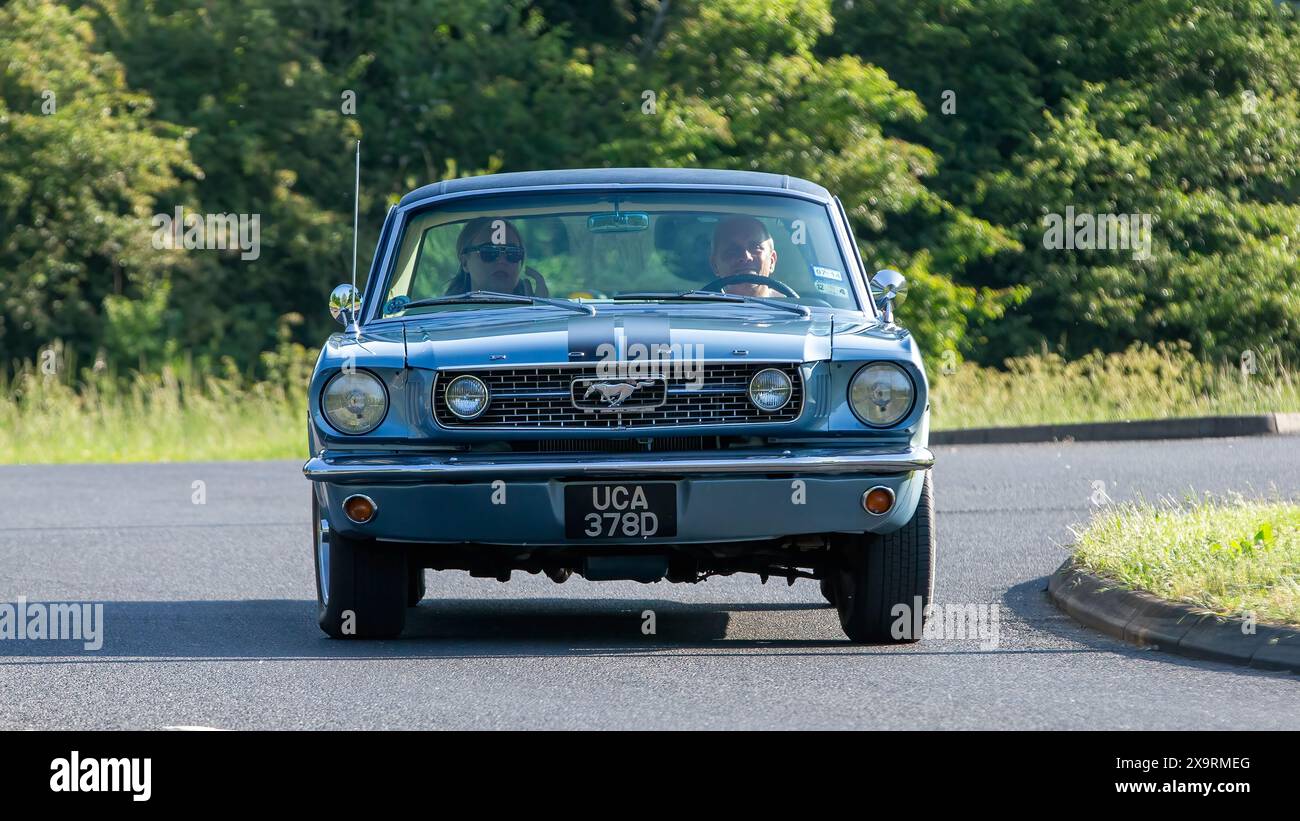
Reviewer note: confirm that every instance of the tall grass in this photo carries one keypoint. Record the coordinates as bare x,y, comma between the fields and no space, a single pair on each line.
178,414
1140,383
189,413
1228,555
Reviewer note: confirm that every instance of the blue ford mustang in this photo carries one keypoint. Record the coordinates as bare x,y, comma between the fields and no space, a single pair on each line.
637,374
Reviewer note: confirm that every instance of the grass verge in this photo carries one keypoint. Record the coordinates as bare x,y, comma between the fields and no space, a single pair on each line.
178,415
186,414
1141,383
1229,555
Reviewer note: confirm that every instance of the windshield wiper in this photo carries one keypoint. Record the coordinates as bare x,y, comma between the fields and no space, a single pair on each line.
714,296
498,298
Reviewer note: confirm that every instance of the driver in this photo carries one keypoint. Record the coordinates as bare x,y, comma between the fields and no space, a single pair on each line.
489,266
742,245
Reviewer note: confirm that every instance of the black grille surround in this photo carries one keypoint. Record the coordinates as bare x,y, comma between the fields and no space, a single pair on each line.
541,398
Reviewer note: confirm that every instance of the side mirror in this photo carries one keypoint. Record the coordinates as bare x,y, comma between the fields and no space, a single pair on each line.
891,288
345,304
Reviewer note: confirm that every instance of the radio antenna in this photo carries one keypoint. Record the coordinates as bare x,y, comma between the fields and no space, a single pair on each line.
356,222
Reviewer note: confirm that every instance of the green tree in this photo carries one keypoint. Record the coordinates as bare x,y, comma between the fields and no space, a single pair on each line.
268,137
81,161
1178,109
737,84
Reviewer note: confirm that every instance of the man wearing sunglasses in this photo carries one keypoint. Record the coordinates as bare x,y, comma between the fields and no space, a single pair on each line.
486,265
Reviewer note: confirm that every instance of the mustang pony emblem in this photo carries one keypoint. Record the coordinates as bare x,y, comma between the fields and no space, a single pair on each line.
614,394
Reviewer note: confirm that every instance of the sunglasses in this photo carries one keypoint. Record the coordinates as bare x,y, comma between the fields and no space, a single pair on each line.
489,252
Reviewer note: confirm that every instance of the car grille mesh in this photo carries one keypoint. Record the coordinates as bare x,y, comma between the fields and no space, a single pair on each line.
648,444
540,397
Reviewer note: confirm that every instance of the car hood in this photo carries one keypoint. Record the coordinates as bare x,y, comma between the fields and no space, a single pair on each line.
537,336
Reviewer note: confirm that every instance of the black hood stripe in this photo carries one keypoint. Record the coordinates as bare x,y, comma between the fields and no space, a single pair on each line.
588,334
648,331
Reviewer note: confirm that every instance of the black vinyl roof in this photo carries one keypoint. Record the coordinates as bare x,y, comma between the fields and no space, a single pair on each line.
639,177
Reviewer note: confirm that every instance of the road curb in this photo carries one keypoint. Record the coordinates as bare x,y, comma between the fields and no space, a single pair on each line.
1147,620
1200,427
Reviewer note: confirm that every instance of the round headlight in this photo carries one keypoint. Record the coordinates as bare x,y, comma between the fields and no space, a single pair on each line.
770,390
354,402
881,394
467,397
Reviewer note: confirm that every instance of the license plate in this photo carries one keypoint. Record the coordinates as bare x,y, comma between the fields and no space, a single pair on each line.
620,510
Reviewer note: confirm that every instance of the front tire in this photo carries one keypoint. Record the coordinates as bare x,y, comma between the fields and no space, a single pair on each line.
361,587
828,591
879,572
414,585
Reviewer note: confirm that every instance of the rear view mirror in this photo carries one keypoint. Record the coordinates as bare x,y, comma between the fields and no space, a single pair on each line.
618,222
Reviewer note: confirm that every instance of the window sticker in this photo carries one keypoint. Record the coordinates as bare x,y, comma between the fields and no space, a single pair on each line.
827,273
827,288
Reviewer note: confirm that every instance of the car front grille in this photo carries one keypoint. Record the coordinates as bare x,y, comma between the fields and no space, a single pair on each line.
547,397
639,444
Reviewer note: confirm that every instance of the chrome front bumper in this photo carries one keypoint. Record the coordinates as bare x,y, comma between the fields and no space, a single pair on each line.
434,468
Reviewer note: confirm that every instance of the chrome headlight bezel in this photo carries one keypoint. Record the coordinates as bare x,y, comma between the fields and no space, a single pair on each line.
789,389
487,397
333,385
862,374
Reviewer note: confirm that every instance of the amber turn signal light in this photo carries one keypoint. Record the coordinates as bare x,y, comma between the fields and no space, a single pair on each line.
878,501
359,509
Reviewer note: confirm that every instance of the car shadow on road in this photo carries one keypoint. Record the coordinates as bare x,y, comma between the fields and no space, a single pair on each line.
457,628
285,628
440,628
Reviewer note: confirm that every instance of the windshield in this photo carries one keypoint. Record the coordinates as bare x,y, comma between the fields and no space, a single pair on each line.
594,247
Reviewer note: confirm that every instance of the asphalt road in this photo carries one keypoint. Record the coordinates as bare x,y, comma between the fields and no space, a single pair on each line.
209,617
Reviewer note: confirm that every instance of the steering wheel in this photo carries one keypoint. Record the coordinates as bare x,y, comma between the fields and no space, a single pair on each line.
754,279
